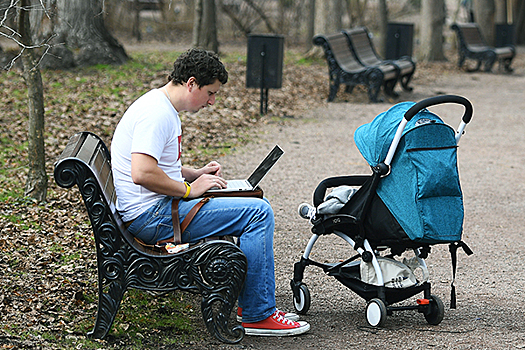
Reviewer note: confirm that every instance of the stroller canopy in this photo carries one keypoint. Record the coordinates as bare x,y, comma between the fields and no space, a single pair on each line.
422,190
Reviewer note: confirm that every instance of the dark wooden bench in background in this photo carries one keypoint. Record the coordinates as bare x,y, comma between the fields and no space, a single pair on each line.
344,68
365,52
216,269
471,44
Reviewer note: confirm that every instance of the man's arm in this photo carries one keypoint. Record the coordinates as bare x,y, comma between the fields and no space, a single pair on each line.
146,172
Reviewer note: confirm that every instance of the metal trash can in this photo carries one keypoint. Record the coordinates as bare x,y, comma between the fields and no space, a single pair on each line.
399,40
504,35
264,68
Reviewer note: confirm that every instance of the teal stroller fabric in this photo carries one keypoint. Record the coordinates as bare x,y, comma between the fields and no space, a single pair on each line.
422,191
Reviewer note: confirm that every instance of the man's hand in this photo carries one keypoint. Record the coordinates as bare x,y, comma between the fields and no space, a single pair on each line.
213,168
204,183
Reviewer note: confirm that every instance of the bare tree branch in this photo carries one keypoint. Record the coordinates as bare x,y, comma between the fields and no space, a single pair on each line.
16,37
260,12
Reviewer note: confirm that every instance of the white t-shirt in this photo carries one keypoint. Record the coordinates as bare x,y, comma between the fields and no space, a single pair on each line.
150,126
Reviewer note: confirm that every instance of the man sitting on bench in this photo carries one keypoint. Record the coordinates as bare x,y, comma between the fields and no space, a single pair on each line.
148,176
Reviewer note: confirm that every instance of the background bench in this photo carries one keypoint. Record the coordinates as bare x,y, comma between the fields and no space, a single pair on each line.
365,52
471,44
216,270
344,68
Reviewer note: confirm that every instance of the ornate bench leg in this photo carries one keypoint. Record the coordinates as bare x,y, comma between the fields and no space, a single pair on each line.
461,59
223,270
506,65
490,59
389,88
375,80
334,87
108,304
405,80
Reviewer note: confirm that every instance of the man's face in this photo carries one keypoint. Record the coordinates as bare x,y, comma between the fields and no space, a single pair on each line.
203,96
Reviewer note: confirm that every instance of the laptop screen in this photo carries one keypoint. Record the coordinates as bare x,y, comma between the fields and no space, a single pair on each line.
265,165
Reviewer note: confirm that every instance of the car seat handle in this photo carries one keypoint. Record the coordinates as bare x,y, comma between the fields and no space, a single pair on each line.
436,100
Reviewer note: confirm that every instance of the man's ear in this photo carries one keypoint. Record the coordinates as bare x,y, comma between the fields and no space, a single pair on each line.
191,83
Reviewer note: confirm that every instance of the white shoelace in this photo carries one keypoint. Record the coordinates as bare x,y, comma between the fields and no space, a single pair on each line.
281,319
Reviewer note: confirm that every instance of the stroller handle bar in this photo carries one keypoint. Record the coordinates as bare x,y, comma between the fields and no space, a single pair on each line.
432,101
439,100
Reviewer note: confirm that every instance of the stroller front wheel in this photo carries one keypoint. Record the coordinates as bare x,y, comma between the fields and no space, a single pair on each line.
376,312
301,300
436,312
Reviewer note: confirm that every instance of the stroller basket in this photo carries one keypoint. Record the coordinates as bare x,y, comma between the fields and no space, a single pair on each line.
412,200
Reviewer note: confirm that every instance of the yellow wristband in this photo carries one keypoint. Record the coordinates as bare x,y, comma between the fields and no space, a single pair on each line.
188,189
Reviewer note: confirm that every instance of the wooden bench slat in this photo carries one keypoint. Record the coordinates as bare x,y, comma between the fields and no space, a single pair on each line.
86,151
365,52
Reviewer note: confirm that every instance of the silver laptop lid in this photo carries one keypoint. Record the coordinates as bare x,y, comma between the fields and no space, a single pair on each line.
265,166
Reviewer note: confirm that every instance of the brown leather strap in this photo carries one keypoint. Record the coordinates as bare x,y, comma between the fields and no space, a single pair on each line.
179,229
192,213
175,219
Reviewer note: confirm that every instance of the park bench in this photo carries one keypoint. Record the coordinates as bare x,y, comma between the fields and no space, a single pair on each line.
471,44
215,269
344,68
365,52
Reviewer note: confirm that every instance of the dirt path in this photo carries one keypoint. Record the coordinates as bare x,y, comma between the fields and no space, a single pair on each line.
490,284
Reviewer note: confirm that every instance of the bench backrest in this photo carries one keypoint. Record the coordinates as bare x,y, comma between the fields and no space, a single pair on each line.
91,150
86,162
363,46
470,35
340,50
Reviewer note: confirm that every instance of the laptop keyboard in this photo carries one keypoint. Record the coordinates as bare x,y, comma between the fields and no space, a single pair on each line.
236,184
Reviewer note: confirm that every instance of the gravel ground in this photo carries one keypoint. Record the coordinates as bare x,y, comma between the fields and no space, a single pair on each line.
490,283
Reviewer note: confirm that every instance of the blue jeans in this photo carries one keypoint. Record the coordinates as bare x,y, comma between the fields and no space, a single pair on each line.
249,219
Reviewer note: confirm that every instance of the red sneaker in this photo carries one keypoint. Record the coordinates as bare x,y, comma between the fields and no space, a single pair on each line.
289,315
276,325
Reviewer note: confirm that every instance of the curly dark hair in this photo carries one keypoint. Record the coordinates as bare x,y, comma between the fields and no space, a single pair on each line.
204,66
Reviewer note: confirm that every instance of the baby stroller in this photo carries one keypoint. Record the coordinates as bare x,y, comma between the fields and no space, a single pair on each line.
411,201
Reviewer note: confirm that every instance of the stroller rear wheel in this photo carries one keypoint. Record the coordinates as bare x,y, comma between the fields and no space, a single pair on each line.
376,312
301,299
436,312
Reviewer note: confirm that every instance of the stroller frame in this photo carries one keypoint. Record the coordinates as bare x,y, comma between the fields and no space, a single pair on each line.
378,296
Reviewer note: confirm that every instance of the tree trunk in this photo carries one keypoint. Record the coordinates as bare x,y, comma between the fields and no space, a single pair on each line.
328,20
36,183
327,16
356,12
500,11
383,26
197,23
205,26
135,29
310,23
484,15
431,32
83,31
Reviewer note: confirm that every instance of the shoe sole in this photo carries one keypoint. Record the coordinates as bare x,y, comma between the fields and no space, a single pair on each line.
277,332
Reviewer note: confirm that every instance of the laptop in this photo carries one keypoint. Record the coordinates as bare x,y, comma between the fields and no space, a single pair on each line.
257,175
